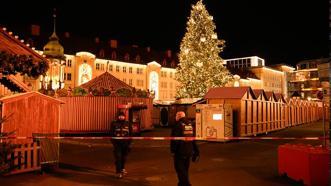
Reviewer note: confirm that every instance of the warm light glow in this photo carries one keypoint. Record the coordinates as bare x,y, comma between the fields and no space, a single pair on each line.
236,84
154,84
288,67
253,79
307,70
85,73
276,71
309,89
154,63
200,65
88,54
217,116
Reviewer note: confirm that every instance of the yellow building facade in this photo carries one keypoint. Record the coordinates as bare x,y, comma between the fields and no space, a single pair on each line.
84,66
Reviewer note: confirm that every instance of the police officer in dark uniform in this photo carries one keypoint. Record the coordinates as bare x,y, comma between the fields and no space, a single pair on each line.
121,128
183,151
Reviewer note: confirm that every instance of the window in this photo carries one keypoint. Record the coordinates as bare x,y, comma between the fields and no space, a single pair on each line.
303,66
65,76
170,74
102,66
314,74
126,57
85,73
110,68
102,53
124,80
140,83
113,55
97,66
117,68
312,65
130,70
171,86
163,84
137,59
171,95
259,61
130,82
139,71
69,76
124,69
69,63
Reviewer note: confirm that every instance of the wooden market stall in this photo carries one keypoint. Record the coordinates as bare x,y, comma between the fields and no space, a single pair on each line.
281,116
241,100
256,111
30,115
94,114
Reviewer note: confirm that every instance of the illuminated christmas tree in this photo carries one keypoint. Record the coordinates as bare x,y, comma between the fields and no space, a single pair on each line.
200,66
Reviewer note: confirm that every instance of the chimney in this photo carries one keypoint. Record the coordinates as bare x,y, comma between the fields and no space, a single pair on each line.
169,53
113,43
148,49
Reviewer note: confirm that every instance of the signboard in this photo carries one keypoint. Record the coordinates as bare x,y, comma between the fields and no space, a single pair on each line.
210,121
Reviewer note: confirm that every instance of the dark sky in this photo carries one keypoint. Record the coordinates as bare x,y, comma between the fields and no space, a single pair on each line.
281,31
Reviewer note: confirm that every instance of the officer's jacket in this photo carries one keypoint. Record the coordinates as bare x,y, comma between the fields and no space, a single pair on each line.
183,128
121,129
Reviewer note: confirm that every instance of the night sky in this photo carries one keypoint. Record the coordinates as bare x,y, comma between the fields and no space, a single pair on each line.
281,31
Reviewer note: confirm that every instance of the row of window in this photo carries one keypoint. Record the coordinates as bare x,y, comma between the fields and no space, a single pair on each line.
68,63
100,66
139,83
272,84
307,65
164,95
165,85
114,56
240,63
67,76
164,74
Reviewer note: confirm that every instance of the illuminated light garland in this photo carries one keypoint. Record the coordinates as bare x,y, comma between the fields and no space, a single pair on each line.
200,67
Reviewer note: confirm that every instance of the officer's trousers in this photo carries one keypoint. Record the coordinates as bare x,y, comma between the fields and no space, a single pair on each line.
120,154
182,165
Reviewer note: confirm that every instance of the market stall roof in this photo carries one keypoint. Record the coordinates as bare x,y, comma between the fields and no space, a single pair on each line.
106,81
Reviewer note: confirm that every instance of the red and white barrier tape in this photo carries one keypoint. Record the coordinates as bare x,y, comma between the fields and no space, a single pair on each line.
167,138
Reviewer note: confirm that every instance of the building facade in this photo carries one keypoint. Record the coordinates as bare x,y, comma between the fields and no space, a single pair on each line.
251,71
84,66
244,62
305,79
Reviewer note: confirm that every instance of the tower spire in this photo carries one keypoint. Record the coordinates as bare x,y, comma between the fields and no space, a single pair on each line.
54,36
54,19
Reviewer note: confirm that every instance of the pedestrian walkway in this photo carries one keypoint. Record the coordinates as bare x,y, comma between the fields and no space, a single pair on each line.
235,163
